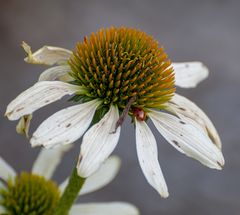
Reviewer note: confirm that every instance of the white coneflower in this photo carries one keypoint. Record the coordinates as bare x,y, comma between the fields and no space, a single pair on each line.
114,73
35,193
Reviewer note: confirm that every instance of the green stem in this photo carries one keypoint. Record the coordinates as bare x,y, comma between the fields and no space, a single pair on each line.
70,194
75,182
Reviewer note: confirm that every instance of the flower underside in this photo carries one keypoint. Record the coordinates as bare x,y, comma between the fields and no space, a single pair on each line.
118,64
30,195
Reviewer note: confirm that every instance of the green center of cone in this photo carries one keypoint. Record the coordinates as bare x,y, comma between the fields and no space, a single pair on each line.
29,194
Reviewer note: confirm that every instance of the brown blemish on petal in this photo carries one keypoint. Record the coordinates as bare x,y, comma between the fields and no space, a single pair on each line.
19,109
176,143
80,159
219,164
181,108
68,125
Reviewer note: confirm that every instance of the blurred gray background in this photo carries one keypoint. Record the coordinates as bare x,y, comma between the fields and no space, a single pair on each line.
208,31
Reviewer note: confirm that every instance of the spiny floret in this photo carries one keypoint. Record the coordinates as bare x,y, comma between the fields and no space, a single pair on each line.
117,64
30,194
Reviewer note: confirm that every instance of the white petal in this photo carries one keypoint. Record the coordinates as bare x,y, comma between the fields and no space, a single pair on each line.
189,74
2,210
6,171
105,174
24,125
47,55
65,126
98,143
56,73
184,107
148,158
2,186
39,95
116,208
187,138
48,160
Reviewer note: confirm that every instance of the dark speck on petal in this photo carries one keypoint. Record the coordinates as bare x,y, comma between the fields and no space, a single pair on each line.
182,122
176,143
68,125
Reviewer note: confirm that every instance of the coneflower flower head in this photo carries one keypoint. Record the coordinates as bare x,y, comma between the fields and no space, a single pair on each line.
35,193
111,74
118,64
30,194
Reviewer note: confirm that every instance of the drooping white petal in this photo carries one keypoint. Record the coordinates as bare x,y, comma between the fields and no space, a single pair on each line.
116,208
98,143
184,107
56,73
47,55
39,95
189,74
65,126
105,174
188,138
148,158
6,171
48,160
24,125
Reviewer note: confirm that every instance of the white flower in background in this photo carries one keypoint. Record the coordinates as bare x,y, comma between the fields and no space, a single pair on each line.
35,193
119,70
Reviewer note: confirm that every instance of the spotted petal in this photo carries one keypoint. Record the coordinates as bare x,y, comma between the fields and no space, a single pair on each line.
39,95
48,160
187,138
105,174
116,208
6,171
56,73
189,74
148,158
186,108
98,143
65,126
47,55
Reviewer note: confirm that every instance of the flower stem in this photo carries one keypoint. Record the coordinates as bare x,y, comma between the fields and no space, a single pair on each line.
70,194
75,182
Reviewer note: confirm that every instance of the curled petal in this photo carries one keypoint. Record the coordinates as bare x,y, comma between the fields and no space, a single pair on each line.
65,126
116,208
24,125
39,95
47,55
6,171
106,173
183,107
187,138
56,73
148,158
48,160
98,143
189,74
